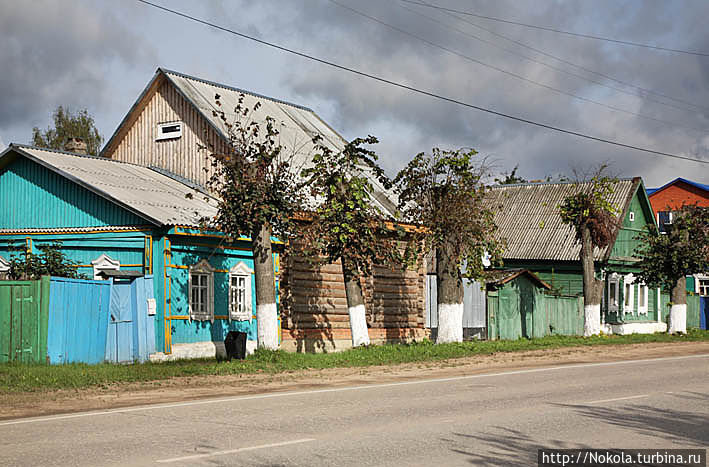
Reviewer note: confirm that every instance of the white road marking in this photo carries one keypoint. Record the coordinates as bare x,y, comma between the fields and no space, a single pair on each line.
618,399
233,451
350,388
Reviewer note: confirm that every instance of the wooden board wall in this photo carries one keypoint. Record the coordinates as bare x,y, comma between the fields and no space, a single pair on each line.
180,156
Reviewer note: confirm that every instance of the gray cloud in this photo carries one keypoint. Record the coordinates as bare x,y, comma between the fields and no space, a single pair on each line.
60,53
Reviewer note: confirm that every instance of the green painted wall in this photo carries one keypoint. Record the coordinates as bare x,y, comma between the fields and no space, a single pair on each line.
32,196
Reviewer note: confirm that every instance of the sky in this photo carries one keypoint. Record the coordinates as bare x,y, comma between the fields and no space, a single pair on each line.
100,54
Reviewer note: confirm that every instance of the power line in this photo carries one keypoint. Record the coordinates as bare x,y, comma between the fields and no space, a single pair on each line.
420,91
559,31
567,62
510,73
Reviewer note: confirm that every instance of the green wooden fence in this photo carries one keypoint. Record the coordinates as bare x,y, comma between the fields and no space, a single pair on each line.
24,312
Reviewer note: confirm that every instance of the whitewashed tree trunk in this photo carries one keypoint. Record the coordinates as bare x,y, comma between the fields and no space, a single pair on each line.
591,320
355,308
678,319
450,296
266,310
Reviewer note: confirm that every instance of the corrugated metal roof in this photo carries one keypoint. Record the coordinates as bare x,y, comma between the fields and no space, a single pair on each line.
153,196
297,125
528,218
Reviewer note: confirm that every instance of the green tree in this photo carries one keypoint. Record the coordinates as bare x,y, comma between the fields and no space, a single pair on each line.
347,225
443,192
667,258
510,178
258,193
69,125
593,217
51,261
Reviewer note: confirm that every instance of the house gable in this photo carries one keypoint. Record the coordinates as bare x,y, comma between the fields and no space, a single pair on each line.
32,196
637,217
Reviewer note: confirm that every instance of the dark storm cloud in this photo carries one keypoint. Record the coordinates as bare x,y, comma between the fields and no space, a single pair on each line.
362,106
57,52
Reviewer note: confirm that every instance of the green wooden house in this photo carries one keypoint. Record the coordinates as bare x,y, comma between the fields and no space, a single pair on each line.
528,219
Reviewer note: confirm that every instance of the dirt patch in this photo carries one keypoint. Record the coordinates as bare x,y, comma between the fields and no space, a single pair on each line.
201,387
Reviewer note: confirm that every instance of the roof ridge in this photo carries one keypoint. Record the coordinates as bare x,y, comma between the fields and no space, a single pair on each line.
620,179
67,153
232,88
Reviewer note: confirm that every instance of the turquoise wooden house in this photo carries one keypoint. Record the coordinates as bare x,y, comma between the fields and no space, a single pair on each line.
116,216
528,219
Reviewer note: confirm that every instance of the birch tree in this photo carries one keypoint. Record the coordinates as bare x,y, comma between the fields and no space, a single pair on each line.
259,192
444,192
594,220
668,258
347,225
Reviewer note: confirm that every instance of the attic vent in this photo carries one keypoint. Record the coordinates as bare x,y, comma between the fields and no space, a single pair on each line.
170,130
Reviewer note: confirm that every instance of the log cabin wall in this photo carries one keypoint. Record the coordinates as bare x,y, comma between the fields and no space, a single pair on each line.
138,143
314,305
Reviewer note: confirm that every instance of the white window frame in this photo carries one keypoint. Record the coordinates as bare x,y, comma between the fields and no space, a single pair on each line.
4,267
171,135
104,263
631,216
240,272
628,294
203,270
643,305
613,300
698,279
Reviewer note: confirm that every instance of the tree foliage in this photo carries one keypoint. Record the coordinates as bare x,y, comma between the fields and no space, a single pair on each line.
69,125
253,178
444,192
510,178
590,207
347,225
51,261
682,251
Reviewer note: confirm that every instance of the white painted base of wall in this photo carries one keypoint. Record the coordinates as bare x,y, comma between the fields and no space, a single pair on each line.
267,323
198,350
450,323
358,325
678,319
591,320
634,328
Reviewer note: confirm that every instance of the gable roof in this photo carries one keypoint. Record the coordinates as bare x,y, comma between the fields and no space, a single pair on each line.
527,217
499,277
701,186
153,196
297,124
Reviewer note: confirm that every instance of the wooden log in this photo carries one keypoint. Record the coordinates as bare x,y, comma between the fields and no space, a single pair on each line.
397,289
312,276
322,309
317,293
313,284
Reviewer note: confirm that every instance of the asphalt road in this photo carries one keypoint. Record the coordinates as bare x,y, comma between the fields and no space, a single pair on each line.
483,419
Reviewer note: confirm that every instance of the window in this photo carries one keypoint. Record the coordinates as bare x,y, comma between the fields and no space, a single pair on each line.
240,292
170,130
613,292
642,299
201,287
104,263
4,267
664,218
628,295
703,288
631,216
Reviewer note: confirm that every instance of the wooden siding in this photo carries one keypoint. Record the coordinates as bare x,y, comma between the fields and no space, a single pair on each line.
180,156
32,196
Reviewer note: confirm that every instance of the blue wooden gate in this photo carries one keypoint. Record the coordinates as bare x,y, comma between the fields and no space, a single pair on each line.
703,312
131,329
78,315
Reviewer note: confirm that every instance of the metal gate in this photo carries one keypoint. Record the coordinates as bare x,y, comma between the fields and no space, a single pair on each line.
473,304
703,312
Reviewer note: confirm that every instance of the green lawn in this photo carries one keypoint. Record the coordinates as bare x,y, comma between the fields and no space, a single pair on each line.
19,378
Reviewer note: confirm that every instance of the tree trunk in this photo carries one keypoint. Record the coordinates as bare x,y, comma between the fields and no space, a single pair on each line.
450,296
355,307
678,310
266,312
592,287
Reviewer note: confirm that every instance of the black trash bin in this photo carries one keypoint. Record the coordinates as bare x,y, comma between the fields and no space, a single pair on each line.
235,345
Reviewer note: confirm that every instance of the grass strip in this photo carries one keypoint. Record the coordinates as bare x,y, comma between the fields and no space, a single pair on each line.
16,378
